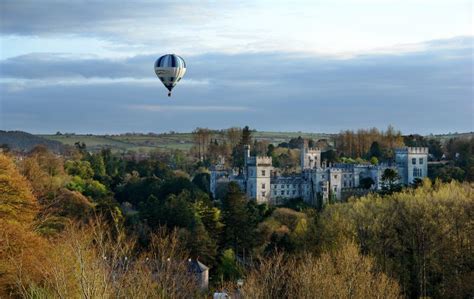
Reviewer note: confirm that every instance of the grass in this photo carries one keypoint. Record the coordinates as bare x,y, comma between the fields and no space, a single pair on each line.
181,141
147,142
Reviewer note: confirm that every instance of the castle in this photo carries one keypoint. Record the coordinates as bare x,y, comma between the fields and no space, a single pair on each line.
317,182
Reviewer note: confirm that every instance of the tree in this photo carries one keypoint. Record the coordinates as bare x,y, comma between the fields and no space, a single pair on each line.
366,183
233,136
345,273
237,226
329,156
374,161
201,246
17,202
228,269
238,151
202,181
390,181
80,168
98,166
435,149
201,138
246,136
375,150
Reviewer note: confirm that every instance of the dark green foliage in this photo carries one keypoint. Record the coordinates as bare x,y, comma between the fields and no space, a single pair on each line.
200,243
434,145
239,224
375,150
149,167
366,183
238,150
390,182
97,163
329,156
446,172
136,189
271,150
202,181
297,204
246,136
229,269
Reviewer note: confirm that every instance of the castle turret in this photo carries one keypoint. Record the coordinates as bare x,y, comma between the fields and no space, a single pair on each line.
412,163
310,158
258,170
246,153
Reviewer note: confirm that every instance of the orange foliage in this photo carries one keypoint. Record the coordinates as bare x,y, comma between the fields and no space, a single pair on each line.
17,203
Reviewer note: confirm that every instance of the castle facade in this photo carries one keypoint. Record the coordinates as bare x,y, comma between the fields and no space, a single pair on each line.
317,182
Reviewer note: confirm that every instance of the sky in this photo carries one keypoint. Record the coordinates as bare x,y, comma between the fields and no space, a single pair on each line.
311,66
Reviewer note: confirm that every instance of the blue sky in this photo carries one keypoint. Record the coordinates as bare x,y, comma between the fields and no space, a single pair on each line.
321,66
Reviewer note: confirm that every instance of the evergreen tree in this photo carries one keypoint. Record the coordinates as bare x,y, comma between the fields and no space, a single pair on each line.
237,225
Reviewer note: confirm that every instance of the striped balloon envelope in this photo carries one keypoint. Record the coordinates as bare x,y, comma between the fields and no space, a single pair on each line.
170,68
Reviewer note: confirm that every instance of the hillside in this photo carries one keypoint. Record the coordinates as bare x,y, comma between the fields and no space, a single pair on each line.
22,141
181,141
145,142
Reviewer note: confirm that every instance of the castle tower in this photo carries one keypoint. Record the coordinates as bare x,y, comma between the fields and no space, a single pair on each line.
310,158
412,163
258,172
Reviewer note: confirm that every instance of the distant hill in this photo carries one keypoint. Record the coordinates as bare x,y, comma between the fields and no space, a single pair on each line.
173,140
145,142
22,141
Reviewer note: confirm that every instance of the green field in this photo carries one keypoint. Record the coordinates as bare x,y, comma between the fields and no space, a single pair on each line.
184,141
181,141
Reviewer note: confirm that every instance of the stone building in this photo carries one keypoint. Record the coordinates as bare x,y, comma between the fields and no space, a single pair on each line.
317,182
412,163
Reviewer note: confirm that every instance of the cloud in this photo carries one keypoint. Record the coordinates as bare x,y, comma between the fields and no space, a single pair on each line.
164,108
429,90
196,27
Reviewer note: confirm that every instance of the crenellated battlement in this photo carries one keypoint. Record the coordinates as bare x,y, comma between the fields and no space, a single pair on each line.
412,150
263,160
417,150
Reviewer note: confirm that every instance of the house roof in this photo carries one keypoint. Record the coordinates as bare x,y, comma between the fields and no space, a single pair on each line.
196,266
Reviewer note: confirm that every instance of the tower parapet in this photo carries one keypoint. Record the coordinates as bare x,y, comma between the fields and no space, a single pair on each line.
412,163
310,158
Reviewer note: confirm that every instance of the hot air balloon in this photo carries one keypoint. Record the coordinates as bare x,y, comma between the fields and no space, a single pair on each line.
170,68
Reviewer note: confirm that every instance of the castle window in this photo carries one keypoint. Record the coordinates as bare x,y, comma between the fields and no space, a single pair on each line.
263,172
287,192
335,176
263,186
413,161
287,186
345,184
282,192
421,161
294,192
416,172
274,192
263,193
